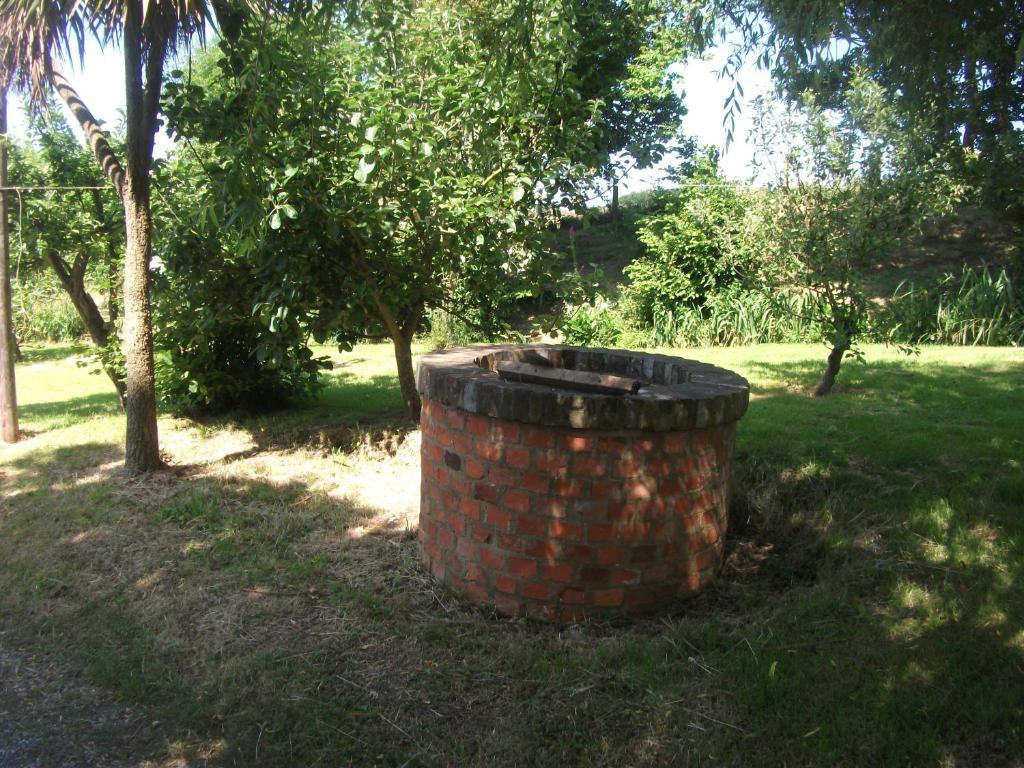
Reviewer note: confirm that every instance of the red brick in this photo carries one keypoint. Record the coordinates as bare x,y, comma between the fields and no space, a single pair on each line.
499,518
517,456
507,605
475,469
440,474
491,559
487,450
466,549
481,534
460,485
644,445
657,573
572,614
535,483
561,529
531,526
571,595
505,584
660,467
474,573
609,598
434,452
550,507
589,466
558,572
638,490
457,523
445,537
538,438
518,566
633,531
624,511
517,501
624,576
506,431
577,443
486,492
536,590
502,476
552,463
541,548
694,481
462,443
477,593
684,466
574,489
674,442
610,556
600,532
670,486
639,597
478,425
606,490
644,553
592,575
627,468
612,445
442,436
455,418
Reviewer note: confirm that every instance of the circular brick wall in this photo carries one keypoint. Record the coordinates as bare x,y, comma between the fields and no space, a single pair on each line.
560,522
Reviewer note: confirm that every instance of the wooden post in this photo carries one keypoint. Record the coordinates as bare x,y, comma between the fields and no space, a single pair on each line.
8,395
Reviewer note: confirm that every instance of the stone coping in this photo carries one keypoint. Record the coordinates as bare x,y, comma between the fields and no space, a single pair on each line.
677,394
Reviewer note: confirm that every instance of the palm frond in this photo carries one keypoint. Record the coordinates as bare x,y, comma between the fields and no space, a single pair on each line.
33,33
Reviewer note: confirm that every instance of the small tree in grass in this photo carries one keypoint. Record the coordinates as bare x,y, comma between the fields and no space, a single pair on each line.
845,195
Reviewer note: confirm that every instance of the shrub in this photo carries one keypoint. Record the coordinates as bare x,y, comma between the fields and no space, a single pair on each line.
692,249
978,308
43,312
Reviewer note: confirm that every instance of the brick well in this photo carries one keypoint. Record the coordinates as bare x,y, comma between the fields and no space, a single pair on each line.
561,522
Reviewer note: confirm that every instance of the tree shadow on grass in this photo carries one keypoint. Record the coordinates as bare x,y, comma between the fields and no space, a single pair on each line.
875,556
59,413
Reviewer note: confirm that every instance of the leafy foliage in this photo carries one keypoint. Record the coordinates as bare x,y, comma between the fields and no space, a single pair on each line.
693,248
368,168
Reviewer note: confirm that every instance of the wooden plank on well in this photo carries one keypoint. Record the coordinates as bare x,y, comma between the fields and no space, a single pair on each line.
565,378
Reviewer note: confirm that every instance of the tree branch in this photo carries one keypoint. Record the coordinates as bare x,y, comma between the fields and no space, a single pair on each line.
94,133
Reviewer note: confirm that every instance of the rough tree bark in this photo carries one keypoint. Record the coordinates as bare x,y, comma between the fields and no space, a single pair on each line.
8,394
142,446
401,336
828,379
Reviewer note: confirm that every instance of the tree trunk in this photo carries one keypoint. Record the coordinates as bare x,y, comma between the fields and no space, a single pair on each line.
407,375
73,281
835,359
8,392
615,200
142,446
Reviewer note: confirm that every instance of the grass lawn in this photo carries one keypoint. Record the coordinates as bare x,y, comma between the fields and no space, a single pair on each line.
261,602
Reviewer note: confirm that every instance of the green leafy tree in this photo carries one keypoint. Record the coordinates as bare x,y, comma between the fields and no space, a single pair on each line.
370,167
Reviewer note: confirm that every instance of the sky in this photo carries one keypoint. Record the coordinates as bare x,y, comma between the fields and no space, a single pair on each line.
101,85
